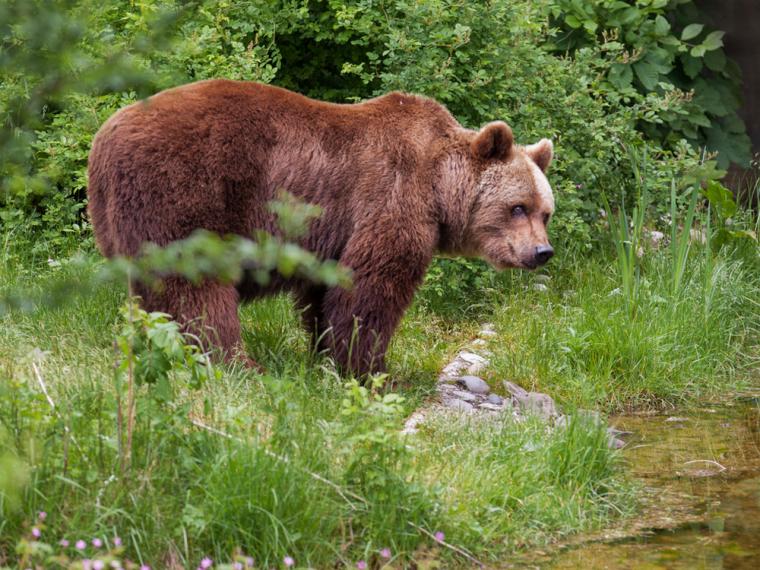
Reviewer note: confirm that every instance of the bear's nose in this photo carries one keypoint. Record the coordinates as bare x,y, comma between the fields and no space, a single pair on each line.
544,253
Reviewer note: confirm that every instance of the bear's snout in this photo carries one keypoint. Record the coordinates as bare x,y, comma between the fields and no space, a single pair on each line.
543,254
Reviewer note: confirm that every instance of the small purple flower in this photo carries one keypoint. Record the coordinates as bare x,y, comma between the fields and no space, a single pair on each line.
86,564
238,566
63,542
439,536
36,533
249,561
97,543
288,561
385,553
98,565
81,545
361,565
42,515
579,186
116,541
144,567
206,563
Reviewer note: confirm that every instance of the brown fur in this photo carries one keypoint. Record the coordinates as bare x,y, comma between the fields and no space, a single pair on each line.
397,177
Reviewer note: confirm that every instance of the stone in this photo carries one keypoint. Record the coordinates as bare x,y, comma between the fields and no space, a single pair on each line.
495,399
458,405
540,287
675,419
490,407
474,384
542,278
515,390
487,330
539,404
463,395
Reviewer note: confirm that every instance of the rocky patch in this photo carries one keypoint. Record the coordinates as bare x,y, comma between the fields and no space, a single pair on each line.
461,390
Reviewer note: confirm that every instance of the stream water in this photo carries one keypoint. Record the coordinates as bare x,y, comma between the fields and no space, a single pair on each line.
700,471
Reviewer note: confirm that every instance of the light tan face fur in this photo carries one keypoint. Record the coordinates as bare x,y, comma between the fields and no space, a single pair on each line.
513,207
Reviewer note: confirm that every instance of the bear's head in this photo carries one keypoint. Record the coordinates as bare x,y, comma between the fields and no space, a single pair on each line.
499,199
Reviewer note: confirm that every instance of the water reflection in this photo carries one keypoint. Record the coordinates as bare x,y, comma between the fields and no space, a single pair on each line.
701,477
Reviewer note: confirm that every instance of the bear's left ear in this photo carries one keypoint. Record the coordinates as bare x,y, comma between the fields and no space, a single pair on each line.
541,153
493,142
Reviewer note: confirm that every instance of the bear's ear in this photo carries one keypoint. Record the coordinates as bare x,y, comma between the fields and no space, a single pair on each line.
541,153
493,142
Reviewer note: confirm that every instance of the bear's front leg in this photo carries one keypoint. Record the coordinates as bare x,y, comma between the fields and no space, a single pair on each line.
386,273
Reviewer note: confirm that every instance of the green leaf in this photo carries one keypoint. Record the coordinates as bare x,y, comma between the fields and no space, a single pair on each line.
714,40
572,21
691,31
698,51
661,26
648,73
715,59
620,75
691,65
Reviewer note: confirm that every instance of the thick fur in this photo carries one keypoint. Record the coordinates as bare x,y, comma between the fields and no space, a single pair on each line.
397,178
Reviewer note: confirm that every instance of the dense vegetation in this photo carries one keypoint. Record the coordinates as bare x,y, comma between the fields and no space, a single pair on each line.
113,426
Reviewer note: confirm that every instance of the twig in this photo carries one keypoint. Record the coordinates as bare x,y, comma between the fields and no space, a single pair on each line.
41,382
456,549
317,476
130,380
66,430
722,468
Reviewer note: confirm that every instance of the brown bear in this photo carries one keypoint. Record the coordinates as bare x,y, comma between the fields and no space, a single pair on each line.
397,177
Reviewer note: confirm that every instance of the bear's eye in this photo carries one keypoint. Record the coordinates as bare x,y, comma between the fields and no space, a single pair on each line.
546,219
518,211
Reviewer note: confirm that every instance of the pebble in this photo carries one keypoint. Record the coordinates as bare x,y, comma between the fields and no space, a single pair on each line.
462,395
459,405
495,399
540,287
539,404
517,391
474,384
676,419
487,330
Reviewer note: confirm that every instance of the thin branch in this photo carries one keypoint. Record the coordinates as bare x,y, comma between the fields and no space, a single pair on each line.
457,549
722,468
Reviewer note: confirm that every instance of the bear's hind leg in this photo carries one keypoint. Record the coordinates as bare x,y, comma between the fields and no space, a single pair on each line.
208,311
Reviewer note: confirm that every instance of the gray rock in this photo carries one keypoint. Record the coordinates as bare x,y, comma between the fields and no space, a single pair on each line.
487,330
474,384
540,287
490,407
475,362
518,392
462,395
542,278
495,399
458,405
540,405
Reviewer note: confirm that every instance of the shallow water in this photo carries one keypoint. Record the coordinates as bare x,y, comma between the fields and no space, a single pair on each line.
701,475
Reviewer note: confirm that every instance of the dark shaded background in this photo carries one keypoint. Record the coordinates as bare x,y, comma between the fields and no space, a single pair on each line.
741,21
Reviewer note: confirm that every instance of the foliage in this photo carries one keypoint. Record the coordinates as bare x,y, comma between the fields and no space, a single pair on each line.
662,47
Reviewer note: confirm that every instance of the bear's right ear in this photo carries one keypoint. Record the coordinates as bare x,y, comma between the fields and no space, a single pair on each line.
493,142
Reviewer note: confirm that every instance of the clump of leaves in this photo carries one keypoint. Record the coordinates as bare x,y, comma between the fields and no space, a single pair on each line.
663,47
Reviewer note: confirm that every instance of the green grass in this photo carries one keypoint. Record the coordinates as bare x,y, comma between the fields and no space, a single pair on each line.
301,476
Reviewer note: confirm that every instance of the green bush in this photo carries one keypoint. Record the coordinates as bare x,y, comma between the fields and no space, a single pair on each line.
663,47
